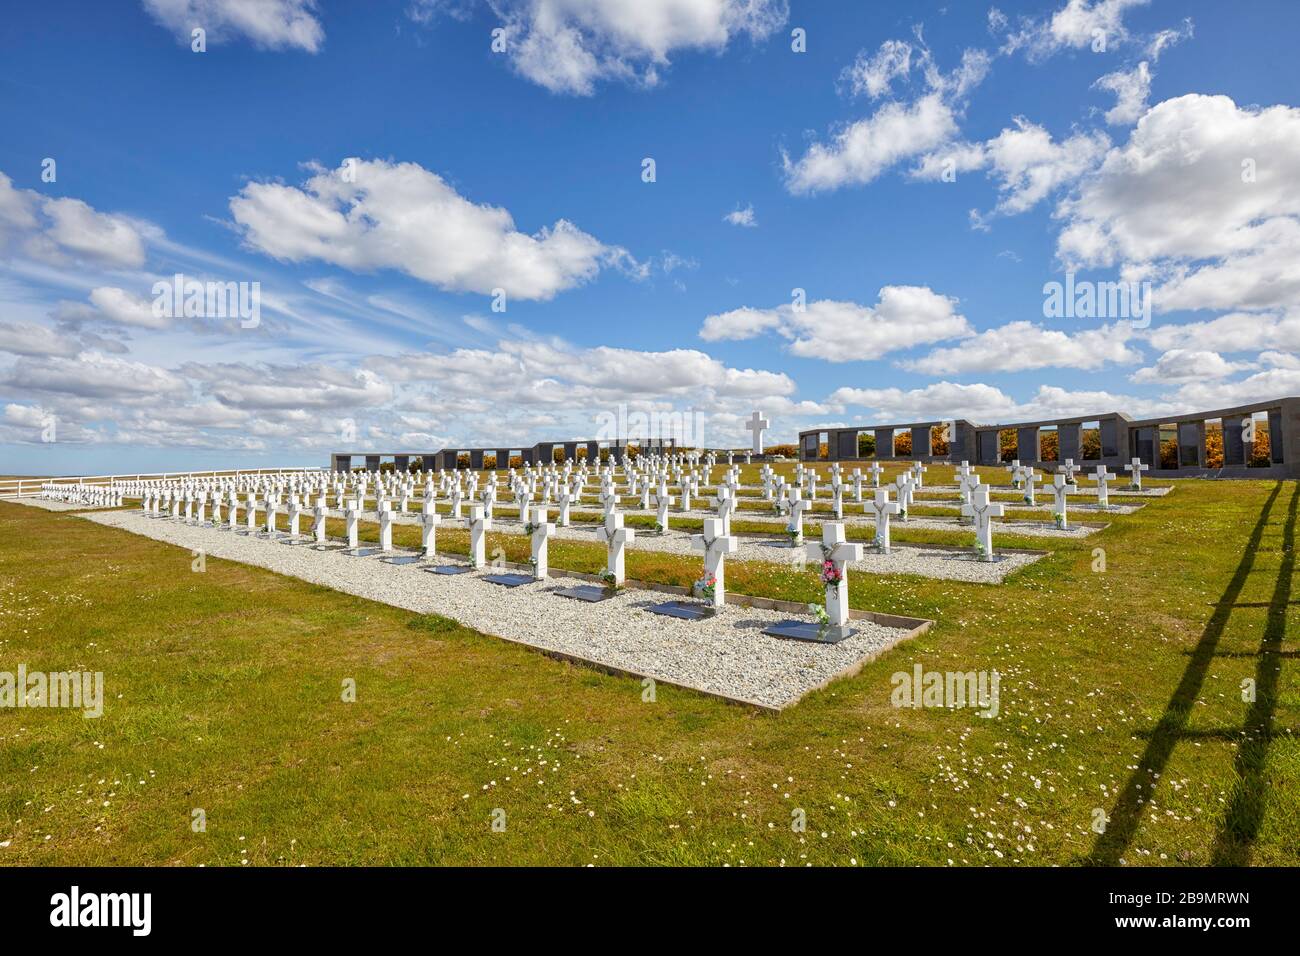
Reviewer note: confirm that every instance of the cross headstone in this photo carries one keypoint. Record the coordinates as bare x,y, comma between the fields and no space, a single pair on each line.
757,425
616,538
882,508
795,525
1137,467
1060,489
1103,477
429,521
981,511
716,544
479,524
542,532
833,555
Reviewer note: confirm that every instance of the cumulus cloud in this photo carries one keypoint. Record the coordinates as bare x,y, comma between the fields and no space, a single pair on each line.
1201,199
988,405
903,317
62,230
378,215
1028,165
859,152
568,46
28,338
1019,346
1077,25
1131,90
269,24
741,217
1186,365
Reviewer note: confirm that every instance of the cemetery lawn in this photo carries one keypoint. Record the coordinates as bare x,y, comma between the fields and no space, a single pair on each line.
1121,693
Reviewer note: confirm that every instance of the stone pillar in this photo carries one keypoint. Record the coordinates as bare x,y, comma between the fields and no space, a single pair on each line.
1027,449
920,442
1070,441
372,462
885,444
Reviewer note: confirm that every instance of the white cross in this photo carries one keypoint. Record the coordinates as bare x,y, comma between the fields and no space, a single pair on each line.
385,526
918,471
542,532
716,544
797,507
905,488
318,518
479,524
429,521
1030,478
565,500
981,512
1137,467
833,553
616,538
725,504
882,508
757,425
662,501
1060,492
1016,476
1102,476
352,513
875,471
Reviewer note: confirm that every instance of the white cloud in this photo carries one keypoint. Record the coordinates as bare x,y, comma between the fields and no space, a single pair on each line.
1077,25
62,230
1236,332
1019,346
865,149
568,46
402,216
1183,365
28,338
861,151
988,405
270,24
1131,90
94,375
903,317
1028,165
741,217
1201,199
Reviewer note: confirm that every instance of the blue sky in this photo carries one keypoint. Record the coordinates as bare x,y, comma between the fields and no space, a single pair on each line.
473,170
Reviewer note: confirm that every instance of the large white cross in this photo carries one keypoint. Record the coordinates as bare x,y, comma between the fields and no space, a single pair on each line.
981,511
1137,467
616,538
797,507
542,532
479,524
352,513
319,515
833,552
1060,493
1030,478
882,508
1102,477
725,505
757,425
716,544
386,526
429,521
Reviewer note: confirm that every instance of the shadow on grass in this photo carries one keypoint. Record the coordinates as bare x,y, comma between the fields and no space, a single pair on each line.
1241,822
1126,815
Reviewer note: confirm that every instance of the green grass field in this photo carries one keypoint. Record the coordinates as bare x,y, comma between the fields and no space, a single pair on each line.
1121,693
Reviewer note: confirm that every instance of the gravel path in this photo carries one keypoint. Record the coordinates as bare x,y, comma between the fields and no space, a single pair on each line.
726,655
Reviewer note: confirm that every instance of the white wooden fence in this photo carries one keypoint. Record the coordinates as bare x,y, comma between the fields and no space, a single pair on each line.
23,487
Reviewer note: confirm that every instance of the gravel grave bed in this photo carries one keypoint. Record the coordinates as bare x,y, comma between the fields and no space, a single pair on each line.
903,559
726,655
